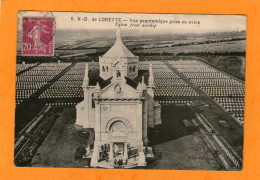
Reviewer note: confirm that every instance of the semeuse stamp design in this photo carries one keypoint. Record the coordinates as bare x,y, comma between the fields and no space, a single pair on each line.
38,36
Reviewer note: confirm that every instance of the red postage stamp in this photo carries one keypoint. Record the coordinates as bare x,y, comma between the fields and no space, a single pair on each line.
38,36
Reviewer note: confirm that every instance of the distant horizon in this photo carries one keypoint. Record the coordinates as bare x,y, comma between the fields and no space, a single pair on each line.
110,33
140,33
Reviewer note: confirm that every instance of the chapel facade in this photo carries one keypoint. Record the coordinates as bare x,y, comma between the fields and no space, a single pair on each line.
118,108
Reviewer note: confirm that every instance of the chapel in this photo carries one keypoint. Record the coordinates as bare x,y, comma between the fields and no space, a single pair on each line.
119,105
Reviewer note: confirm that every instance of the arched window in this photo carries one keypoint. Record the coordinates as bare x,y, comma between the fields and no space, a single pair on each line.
130,69
118,74
103,68
134,69
93,101
107,68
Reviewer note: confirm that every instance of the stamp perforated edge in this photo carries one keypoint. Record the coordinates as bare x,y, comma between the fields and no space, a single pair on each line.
53,32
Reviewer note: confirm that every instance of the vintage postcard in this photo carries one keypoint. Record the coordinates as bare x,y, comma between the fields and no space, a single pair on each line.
130,91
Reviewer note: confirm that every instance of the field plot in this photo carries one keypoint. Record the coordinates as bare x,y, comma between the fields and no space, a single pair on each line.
233,64
33,79
168,84
68,89
68,86
22,67
220,86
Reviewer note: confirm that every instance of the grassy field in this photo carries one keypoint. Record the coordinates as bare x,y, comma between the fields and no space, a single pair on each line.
180,147
234,65
188,152
236,46
60,146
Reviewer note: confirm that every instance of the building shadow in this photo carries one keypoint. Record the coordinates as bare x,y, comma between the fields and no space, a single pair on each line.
172,126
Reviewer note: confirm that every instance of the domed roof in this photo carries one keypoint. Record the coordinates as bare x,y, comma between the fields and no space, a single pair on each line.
118,49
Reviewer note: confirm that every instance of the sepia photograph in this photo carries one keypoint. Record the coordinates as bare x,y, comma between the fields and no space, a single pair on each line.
130,91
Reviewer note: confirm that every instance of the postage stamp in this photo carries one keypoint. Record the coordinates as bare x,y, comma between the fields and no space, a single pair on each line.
38,36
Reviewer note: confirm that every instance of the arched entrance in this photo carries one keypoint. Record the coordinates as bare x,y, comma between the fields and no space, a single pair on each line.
118,129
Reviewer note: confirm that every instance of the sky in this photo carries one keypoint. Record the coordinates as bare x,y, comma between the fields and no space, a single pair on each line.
172,22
